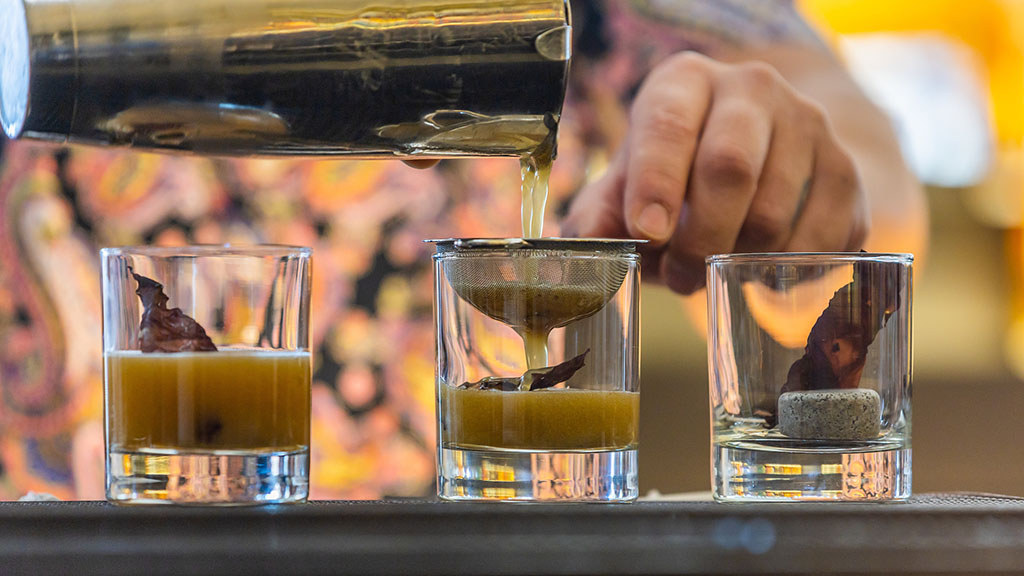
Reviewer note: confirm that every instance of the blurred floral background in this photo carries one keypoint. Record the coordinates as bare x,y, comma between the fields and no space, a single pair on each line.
372,328
951,74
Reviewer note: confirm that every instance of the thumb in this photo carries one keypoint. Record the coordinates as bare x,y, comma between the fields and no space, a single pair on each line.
597,210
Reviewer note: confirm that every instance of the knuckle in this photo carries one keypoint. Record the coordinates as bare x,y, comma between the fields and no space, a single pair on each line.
767,225
657,182
763,77
686,61
667,124
812,114
727,164
847,177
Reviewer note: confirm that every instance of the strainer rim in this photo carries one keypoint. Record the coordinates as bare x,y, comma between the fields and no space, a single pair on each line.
610,245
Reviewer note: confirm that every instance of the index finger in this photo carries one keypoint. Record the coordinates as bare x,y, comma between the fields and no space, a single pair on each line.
667,117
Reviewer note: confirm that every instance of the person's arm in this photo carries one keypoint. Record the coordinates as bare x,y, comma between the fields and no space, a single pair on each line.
769,147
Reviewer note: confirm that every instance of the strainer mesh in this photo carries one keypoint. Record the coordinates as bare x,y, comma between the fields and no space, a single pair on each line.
538,290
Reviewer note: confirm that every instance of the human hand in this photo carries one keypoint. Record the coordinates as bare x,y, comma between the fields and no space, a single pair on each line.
723,158
421,164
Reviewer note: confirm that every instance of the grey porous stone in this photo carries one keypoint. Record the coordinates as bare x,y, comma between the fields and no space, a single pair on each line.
848,414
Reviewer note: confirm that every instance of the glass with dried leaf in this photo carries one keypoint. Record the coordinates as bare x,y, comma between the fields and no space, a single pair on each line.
206,374
810,374
537,369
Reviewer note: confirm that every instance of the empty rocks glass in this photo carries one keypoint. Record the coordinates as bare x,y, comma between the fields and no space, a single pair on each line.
810,374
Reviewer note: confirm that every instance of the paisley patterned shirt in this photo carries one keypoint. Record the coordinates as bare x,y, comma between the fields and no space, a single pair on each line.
373,392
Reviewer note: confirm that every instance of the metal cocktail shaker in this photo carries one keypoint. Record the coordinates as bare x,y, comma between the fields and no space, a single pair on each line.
287,77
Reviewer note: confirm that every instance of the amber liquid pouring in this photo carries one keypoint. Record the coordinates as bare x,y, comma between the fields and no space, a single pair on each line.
536,172
564,443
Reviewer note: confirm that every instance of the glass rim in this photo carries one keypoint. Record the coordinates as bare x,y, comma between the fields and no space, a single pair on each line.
809,258
194,250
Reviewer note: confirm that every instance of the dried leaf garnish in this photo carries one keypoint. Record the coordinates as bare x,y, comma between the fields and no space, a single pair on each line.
163,330
539,379
557,374
838,343
493,383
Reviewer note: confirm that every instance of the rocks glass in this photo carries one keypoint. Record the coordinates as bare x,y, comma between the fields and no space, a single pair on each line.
206,374
810,374
537,369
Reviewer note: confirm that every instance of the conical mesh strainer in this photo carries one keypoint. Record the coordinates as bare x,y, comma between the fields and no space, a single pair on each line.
536,285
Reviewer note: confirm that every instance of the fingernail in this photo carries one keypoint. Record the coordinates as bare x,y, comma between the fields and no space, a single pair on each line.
653,222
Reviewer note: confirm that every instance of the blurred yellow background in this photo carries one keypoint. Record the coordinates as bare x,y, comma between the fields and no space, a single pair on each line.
961,64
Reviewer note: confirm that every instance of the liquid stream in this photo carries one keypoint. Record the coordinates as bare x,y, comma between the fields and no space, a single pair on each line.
538,308
536,172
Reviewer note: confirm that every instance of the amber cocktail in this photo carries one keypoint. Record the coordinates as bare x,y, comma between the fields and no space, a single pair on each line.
551,419
537,374
243,400
207,374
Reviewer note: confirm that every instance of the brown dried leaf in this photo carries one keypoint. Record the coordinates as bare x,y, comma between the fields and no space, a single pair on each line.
492,383
557,374
163,330
539,379
838,344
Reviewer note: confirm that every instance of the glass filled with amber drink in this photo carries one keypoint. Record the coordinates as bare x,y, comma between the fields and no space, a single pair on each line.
206,374
537,369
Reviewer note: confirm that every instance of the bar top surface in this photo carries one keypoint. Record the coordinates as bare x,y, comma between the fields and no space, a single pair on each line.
930,534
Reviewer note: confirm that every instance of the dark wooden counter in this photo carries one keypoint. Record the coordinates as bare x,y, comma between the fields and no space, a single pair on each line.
931,534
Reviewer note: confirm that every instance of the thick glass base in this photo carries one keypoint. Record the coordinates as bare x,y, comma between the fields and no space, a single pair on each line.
802,471
217,477
537,476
